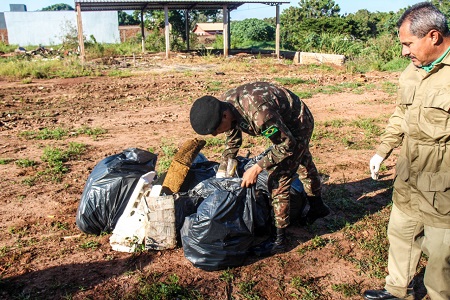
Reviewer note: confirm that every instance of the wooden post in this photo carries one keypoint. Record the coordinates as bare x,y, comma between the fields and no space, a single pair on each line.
142,32
186,23
80,33
277,32
166,22
225,31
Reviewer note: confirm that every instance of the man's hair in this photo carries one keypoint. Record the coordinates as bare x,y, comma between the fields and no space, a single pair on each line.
424,17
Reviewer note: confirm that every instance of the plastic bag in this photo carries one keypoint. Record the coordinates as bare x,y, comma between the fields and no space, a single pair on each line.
220,233
109,187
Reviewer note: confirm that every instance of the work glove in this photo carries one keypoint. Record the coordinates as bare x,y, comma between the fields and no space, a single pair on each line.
375,163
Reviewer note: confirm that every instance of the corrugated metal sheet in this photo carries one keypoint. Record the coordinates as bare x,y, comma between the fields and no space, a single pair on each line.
96,5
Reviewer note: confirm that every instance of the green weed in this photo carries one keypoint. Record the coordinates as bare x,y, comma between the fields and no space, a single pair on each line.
45,134
161,290
248,291
347,289
294,81
90,245
316,243
25,163
5,161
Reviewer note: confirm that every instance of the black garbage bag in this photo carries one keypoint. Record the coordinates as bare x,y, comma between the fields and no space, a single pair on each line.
220,233
109,187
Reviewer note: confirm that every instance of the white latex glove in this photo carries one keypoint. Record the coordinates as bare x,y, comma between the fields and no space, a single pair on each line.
375,163
220,174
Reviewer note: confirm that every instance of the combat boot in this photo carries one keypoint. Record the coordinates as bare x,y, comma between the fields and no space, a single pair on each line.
317,209
273,245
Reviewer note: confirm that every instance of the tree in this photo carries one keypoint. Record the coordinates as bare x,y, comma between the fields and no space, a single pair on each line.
60,6
318,8
127,19
252,29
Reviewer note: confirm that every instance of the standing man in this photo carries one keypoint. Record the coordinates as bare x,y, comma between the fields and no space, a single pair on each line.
261,108
420,217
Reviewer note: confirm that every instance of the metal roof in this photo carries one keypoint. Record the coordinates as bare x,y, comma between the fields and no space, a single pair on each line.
98,5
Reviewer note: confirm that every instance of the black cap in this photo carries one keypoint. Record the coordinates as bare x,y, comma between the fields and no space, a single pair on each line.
206,115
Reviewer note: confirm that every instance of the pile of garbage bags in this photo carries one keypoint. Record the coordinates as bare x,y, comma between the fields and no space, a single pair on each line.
215,220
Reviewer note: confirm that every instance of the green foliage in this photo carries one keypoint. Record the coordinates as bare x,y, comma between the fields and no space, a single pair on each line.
127,19
90,245
39,69
162,290
25,162
5,161
56,157
347,289
316,243
58,7
248,291
45,134
252,29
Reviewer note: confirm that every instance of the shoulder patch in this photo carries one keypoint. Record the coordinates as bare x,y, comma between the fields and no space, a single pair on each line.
270,131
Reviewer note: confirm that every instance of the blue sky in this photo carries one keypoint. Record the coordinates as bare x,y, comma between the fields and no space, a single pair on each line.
250,10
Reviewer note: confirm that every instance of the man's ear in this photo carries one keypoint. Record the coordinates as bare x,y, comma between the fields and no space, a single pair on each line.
435,36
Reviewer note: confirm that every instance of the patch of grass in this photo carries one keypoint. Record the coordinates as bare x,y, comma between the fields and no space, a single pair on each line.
90,245
389,87
168,151
119,73
370,235
304,94
347,289
60,225
248,291
153,288
45,134
214,86
25,163
316,243
295,80
60,133
94,132
56,157
5,161
214,142
307,287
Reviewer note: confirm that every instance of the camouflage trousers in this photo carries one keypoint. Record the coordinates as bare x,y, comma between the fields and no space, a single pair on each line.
280,178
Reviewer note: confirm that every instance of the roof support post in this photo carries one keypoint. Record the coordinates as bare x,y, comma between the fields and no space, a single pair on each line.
225,31
186,24
166,22
142,32
277,32
80,33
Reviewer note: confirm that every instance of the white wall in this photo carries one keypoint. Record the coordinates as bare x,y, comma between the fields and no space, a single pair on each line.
49,27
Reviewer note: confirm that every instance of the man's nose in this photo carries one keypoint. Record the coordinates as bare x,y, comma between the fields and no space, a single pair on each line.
405,51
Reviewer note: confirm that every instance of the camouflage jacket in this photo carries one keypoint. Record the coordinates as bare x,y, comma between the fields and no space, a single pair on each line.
264,109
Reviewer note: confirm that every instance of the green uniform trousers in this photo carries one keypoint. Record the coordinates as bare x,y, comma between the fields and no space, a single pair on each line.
408,238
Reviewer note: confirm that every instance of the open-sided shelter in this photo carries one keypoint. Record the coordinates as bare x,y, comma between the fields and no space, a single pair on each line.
166,5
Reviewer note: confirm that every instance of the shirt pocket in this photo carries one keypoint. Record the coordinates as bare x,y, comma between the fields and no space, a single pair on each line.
405,95
439,183
437,108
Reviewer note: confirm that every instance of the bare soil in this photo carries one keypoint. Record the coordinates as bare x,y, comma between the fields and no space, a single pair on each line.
40,252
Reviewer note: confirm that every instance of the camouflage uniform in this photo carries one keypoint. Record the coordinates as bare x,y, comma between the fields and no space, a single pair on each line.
262,108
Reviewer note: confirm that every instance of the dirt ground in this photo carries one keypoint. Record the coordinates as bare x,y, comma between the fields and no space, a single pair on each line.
41,253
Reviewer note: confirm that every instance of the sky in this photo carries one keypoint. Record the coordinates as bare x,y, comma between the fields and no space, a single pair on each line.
259,11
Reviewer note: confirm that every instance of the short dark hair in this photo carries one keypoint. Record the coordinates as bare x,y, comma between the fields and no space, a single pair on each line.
424,17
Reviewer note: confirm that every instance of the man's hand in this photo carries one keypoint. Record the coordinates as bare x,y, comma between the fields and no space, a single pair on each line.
375,163
251,175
